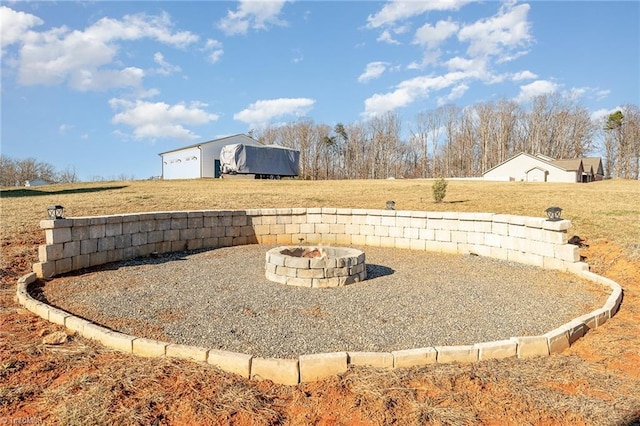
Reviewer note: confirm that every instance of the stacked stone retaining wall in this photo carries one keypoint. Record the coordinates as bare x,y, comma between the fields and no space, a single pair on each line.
82,242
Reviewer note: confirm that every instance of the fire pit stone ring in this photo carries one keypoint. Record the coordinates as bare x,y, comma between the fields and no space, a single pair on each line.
317,267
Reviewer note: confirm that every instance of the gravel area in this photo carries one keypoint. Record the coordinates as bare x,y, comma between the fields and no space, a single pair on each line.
221,299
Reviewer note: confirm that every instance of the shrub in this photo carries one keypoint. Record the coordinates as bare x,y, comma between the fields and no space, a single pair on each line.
439,190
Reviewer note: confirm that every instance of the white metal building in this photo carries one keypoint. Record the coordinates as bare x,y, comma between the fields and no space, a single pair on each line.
200,160
529,168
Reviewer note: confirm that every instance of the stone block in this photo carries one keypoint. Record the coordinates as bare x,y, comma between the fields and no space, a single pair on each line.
560,225
57,316
89,246
185,235
64,265
373,240
413,357
344,239
443,235
44,269
113,229
461,353
132,227
373,359
149,347
28,278
296,262
275,277
79,233
314,273
575,330
97,231
281,371
557,340
319,366
231,362
517,231
107,243
496,350
411,233
75,323
92,331
531,346
288,272
567,252
590,320
57,235
299,282
37,307
187,352
119,341
50,252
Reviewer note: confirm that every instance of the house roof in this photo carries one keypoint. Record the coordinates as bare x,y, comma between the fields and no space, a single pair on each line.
249,140
548,163
594,162
567,165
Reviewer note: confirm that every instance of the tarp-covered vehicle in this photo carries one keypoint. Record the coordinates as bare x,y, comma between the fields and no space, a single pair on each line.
265,162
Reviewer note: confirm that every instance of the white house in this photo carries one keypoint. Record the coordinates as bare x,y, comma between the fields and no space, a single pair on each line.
539,168
200,160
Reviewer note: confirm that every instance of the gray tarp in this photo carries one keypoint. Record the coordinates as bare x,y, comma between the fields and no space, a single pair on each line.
265,160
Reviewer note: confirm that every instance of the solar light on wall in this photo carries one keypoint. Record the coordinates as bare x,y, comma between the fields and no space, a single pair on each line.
55,212
391,205
554,213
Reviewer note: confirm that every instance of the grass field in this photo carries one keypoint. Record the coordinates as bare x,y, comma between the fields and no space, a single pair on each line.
597,381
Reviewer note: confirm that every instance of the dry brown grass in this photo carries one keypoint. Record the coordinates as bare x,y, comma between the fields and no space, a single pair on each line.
595,382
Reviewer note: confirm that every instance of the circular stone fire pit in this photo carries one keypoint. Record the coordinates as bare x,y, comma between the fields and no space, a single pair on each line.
318,267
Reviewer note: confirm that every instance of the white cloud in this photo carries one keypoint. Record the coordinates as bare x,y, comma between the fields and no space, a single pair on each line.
263,111
432,36
151,120
493,36
84,58
537,88
600,115
63,128
523,75
254,14
15,25
373,71
386,37
456,93
216,46
399,10
409,91
165,67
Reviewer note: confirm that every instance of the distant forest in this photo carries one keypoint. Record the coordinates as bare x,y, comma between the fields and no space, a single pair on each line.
451,141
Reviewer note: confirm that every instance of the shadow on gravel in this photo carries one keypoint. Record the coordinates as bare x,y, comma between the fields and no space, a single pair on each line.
376,271
153,259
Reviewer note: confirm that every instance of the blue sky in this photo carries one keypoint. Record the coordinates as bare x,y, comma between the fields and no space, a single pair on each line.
103,87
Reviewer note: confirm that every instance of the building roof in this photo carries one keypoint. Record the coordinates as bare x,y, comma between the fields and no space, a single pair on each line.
595,163
567,165
249,141
537,158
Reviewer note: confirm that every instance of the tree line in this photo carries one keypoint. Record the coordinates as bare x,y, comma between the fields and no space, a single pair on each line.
14,172
450,141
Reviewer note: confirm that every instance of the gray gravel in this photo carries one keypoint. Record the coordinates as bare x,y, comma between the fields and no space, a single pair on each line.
221,299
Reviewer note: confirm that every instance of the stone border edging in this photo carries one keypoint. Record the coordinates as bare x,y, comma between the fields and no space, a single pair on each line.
543,235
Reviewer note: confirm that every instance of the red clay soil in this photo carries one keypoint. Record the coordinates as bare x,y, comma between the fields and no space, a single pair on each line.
596,381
